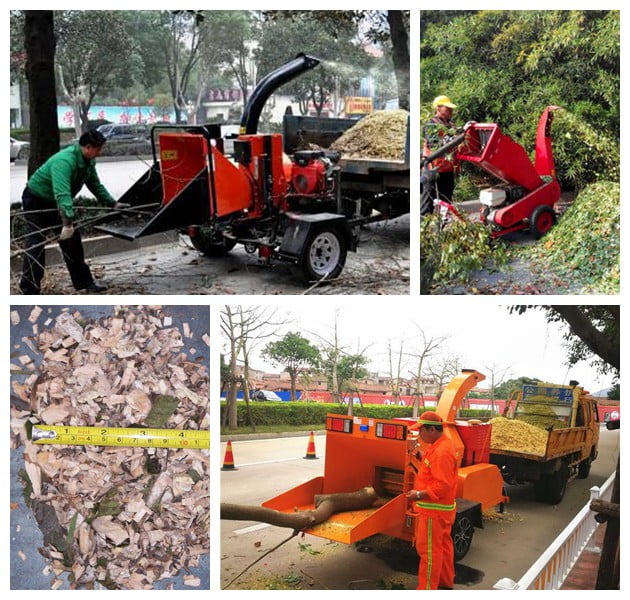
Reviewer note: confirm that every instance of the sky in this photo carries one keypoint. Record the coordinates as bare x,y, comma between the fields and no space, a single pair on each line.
483,335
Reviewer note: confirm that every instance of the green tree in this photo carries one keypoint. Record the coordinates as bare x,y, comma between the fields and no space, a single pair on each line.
351,368
344,62
93,48
294,353
614,393
506,66
504,390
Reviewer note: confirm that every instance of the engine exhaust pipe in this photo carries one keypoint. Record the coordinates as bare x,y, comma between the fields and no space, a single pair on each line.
269,84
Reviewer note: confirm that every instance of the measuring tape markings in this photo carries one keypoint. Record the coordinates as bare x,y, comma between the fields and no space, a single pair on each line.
144,437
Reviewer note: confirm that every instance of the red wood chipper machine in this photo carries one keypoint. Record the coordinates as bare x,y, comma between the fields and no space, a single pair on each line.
222,191
381,453
528,191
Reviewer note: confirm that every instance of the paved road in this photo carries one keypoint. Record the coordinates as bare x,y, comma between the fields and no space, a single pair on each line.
504,548
117,176
380,266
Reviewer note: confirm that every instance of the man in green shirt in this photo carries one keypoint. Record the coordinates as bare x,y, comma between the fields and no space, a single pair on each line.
48,203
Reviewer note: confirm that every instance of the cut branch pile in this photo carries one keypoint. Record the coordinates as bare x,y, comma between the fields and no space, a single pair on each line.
121,518
382,134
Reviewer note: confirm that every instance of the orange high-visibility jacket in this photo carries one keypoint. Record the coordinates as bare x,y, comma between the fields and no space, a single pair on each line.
438,476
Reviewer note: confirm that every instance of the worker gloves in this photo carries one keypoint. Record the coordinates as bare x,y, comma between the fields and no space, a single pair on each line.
67,231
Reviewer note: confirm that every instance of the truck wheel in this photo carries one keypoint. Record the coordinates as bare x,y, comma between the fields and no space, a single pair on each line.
462,534
540,489
557,485
584,468
324,254
211,243
543,218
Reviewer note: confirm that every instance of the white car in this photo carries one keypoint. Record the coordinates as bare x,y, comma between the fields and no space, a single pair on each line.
262,395
18,149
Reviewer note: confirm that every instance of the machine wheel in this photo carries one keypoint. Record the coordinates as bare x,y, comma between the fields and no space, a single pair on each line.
462,534
212,244
584,468
324,254
543,218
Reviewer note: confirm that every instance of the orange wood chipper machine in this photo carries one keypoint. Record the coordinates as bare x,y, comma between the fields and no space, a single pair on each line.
382,453
222,191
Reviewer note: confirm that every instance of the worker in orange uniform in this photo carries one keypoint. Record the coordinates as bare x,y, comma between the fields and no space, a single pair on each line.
433,498
439,127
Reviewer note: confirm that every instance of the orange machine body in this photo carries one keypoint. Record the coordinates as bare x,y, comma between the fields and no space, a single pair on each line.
183,156
381,453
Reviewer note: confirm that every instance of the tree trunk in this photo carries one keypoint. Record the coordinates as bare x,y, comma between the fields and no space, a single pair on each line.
400,55
325,506
39,43
595,340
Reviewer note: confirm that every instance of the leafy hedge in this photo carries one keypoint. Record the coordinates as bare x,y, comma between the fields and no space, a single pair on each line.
584,248
310,413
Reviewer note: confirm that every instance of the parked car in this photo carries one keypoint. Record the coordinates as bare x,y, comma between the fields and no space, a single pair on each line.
114,132
18,149
613,424
262,395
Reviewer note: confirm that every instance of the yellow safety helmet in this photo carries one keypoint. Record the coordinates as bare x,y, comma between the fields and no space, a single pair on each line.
443,101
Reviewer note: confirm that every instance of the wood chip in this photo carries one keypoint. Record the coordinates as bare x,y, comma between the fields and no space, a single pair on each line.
192,581
15,317
143,527
35,314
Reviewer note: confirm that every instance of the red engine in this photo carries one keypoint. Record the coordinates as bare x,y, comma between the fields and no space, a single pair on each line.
311,173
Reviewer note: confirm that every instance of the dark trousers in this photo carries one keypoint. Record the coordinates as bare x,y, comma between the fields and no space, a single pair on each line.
38,224
446,185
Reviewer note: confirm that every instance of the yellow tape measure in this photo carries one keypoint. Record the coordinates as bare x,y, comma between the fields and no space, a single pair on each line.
143,437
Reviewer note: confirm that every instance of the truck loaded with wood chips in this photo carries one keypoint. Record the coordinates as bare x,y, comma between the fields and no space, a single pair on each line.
116,517
550,437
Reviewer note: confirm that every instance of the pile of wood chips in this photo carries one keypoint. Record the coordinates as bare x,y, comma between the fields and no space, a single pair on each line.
517,436
382,134
121,518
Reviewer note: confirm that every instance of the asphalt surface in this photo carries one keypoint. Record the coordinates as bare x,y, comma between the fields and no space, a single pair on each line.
170,265
505,547
27,566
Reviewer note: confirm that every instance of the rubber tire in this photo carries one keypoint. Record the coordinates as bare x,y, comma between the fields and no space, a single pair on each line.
584,468
462,533
210,245
540,489
542,219
551,488
327,247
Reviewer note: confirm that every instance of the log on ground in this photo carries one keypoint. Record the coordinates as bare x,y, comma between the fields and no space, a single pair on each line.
325,506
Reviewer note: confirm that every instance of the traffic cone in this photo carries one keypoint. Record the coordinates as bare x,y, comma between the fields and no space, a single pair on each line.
228,460
310,450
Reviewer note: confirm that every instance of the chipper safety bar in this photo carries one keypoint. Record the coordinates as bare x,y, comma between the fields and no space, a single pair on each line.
362,451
